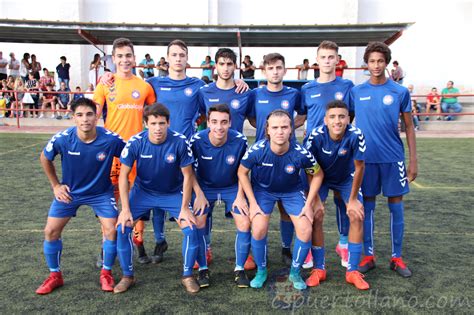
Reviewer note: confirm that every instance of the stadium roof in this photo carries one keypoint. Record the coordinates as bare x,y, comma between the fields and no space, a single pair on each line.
58,32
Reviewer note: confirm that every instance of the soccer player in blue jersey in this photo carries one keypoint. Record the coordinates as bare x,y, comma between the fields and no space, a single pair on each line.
159,153
378,104
86,153
339,149
315,95
265,99
275,164
218,151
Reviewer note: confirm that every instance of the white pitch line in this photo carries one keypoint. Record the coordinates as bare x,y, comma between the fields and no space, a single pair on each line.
18,149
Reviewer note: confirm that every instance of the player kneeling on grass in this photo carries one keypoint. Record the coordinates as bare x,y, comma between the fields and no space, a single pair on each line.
339,148
218,151
164,181
275,164
86,153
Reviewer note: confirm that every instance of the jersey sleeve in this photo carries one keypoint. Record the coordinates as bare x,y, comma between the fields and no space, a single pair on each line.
405,106
358,146
307,161
185,154
298,105
54,147
249,160
201,103
119,144
130,152
347,97
251,105
99,95
150,95
303,105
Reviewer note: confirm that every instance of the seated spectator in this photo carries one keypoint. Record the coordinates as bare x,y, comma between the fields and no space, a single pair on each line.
148,65
46,79
64,101
48,99
78,95
414,102
163,67
450,102
9,84
32,87
248,69
303,70
397,73
90,91
433,100
340,66
207,67
3,105
414,113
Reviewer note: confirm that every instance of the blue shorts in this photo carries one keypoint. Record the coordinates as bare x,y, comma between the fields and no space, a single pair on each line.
293,202
343,189
390,178
226,195
104,206
142,202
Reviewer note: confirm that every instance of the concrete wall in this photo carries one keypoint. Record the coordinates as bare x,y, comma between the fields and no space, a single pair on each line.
436,49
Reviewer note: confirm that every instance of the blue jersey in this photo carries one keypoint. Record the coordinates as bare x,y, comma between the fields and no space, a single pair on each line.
216,167
210,95
158,165
85,166
336,158
315,96
277,173
181,98
377,110
263,102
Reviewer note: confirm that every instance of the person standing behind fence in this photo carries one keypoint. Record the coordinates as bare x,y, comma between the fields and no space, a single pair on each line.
3,67
63,71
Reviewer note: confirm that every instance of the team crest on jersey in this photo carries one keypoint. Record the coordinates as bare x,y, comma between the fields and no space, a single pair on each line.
235,104
101,156
285,104
230,159
342,152
170,158
135,94
338,96
188,91
388,99
290,169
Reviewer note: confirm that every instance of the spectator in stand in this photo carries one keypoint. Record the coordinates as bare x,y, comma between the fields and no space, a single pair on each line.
3,105
3,67
14,66
18,97
414,102
207,67
32,87
315,66
303,70
414,113
35,67
46,79
248,70
25,67
433,100
205,79
64,100
48,99
148,65
96,70
340,66
63,71
90,91
162,67
9,85
78,95
108,63
397,73
450,102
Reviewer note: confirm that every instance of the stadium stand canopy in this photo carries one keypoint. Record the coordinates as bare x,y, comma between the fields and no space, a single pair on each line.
58,32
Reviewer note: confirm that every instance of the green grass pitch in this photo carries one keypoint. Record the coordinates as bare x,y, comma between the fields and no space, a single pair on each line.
439,248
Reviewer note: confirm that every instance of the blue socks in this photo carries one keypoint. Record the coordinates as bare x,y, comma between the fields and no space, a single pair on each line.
396,227
159,217
125,250
208,235
287,229
342,220
369,208
242,248
52,253
201,255
259,250
109,252
318,257
189,249
300,251
355,250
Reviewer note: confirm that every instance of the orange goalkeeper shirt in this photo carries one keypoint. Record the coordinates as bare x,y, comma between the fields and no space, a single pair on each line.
125,100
